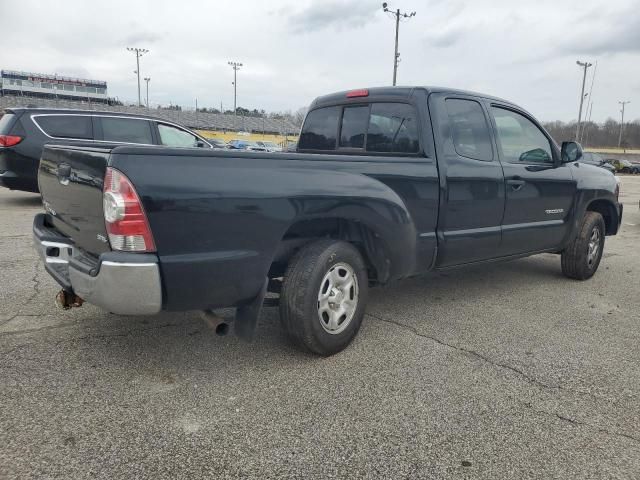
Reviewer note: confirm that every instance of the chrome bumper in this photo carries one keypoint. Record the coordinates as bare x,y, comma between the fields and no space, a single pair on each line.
122,283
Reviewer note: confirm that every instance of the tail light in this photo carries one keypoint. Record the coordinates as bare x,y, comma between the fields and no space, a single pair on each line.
124,215
9,140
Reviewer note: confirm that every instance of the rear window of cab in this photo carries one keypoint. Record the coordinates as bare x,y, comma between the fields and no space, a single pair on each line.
376,128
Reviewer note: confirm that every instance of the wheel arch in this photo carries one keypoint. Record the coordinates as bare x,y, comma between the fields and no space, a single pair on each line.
378,247
609,213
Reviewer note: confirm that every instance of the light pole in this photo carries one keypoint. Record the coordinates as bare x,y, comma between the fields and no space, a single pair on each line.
584,65
396,55
139,52
236,66
622,122
147,79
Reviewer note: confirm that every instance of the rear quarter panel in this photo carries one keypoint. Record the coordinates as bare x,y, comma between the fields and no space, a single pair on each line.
217,218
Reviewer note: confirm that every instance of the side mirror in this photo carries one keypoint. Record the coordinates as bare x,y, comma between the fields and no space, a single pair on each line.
570,152
200,144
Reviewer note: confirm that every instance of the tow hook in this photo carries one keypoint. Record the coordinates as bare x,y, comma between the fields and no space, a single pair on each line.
66,300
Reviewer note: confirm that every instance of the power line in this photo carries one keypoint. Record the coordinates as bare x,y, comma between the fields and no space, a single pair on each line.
396,55
139,52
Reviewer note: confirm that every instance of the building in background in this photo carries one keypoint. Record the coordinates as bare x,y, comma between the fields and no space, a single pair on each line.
52,86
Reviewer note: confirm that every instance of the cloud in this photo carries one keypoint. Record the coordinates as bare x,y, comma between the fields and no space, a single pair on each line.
445,38
617,33
341,14
141,38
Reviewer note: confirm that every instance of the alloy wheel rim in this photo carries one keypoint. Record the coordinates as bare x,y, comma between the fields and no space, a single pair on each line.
338,298
594,247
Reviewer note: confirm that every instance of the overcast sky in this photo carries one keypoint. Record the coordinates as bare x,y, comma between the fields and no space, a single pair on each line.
295,50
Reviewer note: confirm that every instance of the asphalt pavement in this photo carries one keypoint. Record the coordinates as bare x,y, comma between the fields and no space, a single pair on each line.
498,371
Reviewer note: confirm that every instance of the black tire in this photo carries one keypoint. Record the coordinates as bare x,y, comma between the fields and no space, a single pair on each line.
576,263
299,303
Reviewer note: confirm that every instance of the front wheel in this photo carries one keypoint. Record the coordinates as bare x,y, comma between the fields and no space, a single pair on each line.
323,296
581,258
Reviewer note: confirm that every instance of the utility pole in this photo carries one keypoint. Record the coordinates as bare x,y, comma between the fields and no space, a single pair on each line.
396,55
147,79
139,52
584,65
236,66
622,122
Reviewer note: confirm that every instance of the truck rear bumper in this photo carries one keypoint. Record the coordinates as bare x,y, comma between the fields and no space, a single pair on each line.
122,283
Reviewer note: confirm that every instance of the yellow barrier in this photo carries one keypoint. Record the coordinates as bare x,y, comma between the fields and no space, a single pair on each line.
613,151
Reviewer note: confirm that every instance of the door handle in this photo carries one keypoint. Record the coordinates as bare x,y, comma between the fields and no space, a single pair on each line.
515,184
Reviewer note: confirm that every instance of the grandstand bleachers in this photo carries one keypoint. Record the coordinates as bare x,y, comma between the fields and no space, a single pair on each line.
188,118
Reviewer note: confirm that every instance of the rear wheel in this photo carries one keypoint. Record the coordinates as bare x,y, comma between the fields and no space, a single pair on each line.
581,258
323,296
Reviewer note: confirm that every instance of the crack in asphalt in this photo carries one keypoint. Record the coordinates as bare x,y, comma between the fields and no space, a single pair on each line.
36,290
520,373
120,334
504,366
575,422
40,329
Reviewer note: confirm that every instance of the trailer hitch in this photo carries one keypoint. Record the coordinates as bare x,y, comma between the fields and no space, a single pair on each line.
66,300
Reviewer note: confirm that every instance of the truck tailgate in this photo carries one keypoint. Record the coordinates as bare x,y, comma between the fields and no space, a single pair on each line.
71,180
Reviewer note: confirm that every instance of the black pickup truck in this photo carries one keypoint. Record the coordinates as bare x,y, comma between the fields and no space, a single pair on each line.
386,183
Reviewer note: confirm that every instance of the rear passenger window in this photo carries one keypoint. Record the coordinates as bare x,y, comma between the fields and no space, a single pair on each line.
127,130
354,126
320,129
66,126
469,129
393,128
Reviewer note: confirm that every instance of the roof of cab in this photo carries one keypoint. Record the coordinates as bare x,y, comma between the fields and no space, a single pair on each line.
397,92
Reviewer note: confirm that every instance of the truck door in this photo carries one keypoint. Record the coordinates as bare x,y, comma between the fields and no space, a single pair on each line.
471,180
539,189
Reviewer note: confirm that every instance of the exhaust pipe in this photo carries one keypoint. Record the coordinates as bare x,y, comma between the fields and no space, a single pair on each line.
67,300
215,322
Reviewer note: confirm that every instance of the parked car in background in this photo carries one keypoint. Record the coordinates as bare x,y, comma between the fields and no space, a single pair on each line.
386,183
237,144
25,131
597,160
270,146
625,166
217,143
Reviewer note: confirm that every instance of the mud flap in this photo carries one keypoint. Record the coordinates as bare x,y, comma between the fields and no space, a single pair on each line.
247,315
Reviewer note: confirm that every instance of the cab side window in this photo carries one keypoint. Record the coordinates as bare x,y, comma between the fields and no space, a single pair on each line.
520,139
469,129
175,137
